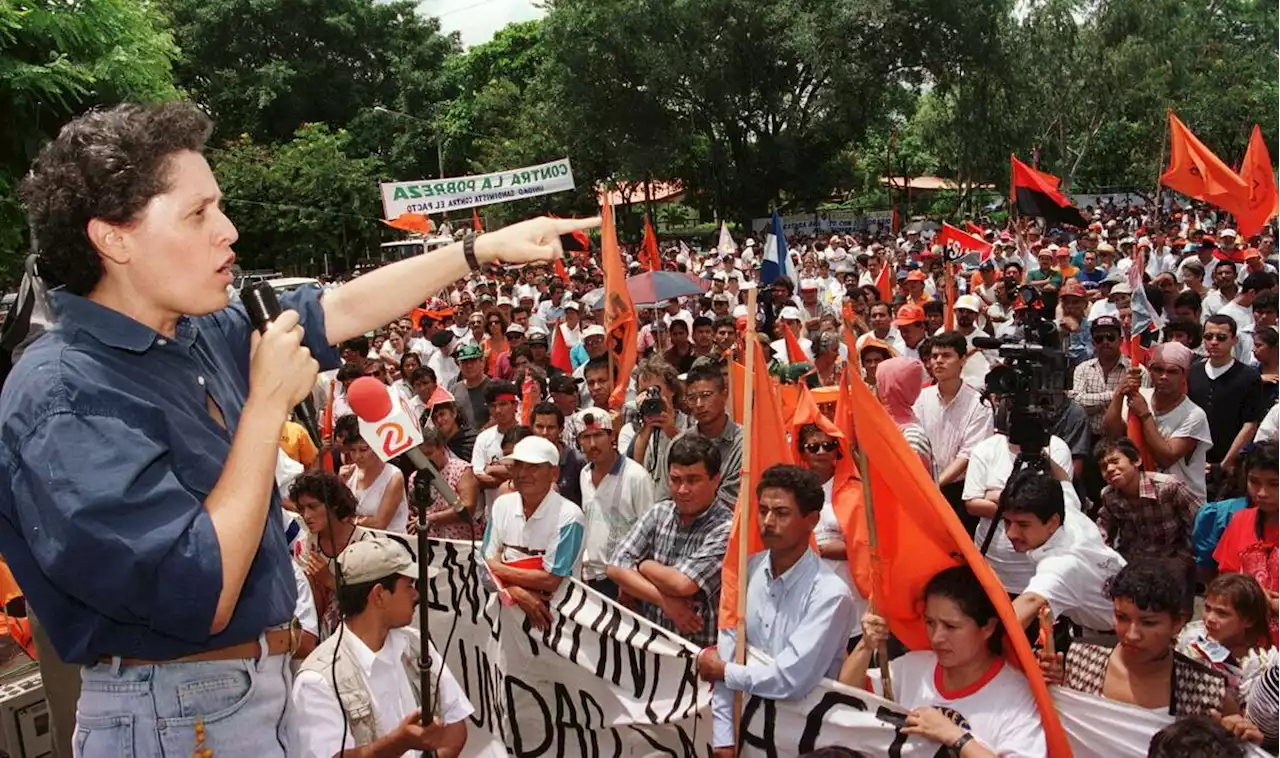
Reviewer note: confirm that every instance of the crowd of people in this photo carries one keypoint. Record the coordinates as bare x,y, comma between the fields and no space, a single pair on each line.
1148,532
147,449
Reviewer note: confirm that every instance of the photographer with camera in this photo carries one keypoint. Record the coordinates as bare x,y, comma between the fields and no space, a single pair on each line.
655,419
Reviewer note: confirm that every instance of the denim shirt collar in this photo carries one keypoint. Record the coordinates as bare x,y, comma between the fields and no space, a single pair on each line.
111,327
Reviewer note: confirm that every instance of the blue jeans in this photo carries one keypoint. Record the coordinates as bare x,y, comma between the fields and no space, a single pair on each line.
151,711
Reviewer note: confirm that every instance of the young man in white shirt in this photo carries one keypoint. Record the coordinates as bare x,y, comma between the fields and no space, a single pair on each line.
1072,563
486,457
533,521
616,491
376,663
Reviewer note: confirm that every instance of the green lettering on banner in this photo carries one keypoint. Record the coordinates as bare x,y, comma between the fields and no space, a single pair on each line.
515,179
471,185
399,194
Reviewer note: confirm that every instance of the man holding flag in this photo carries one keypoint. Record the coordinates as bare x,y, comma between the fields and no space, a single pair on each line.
799,612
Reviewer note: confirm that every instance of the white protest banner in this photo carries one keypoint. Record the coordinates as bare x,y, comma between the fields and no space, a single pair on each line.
603,681
437,195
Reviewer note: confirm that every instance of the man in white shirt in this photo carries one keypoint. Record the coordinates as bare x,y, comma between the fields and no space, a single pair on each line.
374,660
501,398
616,491
534,521
1072,563
790,317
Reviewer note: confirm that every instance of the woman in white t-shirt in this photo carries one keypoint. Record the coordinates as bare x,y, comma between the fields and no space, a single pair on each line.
377,485
961,693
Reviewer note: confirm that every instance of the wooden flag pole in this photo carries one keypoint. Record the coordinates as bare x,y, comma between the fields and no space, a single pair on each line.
744,503
873,542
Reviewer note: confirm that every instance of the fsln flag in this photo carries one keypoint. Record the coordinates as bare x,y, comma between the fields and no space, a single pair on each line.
775,263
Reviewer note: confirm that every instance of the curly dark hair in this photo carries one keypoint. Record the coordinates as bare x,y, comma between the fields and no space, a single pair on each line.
327,488
106,164
1151,586
802,483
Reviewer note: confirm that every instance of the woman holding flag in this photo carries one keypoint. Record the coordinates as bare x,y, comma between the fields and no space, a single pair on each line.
961,693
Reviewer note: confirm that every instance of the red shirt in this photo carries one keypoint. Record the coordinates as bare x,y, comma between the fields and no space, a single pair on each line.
1239,534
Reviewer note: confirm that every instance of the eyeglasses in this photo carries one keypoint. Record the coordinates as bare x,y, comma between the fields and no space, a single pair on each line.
826,447
1215,337
1106,338
700,397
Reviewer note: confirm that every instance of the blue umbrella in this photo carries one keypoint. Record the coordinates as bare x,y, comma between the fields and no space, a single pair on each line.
652,287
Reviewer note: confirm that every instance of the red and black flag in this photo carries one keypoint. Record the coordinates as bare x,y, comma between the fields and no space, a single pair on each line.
1035,193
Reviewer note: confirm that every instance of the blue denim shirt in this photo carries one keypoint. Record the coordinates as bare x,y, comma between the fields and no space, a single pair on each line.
108,452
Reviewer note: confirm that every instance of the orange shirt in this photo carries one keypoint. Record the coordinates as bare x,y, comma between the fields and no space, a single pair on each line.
297,444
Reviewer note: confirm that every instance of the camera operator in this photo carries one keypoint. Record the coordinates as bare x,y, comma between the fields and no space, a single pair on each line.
655,419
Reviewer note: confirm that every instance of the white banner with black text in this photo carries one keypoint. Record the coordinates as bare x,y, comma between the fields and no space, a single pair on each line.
603,681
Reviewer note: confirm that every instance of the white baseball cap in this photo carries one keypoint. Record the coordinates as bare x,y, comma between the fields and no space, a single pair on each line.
535,450
790,313
808,284
968,303
595,330
514,329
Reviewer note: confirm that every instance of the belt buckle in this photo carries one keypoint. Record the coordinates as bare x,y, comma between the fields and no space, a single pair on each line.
295,635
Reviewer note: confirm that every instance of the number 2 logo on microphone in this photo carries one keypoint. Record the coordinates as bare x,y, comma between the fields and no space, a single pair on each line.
394,438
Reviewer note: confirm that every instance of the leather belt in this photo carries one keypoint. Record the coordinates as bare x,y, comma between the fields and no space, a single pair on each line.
279,640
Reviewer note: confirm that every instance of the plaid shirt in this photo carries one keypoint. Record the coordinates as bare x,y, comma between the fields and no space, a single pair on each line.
1157,524
1092,388
696,550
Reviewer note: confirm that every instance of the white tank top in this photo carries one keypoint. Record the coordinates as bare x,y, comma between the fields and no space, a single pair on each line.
369,499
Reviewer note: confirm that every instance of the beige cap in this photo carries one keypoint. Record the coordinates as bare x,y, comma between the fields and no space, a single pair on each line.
376,558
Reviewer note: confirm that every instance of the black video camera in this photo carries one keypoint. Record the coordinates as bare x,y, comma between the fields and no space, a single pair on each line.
652,403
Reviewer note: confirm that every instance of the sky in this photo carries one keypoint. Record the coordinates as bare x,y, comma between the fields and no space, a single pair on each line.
478,20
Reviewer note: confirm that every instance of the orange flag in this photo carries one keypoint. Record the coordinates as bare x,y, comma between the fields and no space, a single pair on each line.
919,535
620,321
475,222
558,265
649,248
1261,180
560,351
1133,425
795,353
529,397
410,222
1196,172
974,229
768,447
884,282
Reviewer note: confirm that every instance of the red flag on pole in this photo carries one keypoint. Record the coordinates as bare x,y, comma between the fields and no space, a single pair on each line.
560,351
620,323
649,248
884,282
1258,174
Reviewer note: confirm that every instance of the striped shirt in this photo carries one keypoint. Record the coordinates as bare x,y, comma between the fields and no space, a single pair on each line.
953,428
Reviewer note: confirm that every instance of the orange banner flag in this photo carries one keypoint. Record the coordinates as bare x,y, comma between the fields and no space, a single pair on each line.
529,397
475,222
649,248
1133,424
1259,176
919,535
1196,172
768,447
884,282
410,222
795,353
620,323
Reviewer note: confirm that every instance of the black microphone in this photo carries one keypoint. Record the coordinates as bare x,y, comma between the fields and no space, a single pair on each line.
263,307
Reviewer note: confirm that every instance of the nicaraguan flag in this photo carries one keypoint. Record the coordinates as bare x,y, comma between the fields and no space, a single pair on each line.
775,253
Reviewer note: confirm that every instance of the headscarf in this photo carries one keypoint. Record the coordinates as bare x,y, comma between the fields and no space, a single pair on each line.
1174,354
898,383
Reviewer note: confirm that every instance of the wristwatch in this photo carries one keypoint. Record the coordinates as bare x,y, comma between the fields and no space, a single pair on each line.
469,251
961,741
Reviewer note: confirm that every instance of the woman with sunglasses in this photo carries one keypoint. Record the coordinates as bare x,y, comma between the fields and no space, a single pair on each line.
898,384
495,341
828,456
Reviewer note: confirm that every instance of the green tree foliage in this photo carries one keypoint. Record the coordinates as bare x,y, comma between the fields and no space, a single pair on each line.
266,67
295,203
57,60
